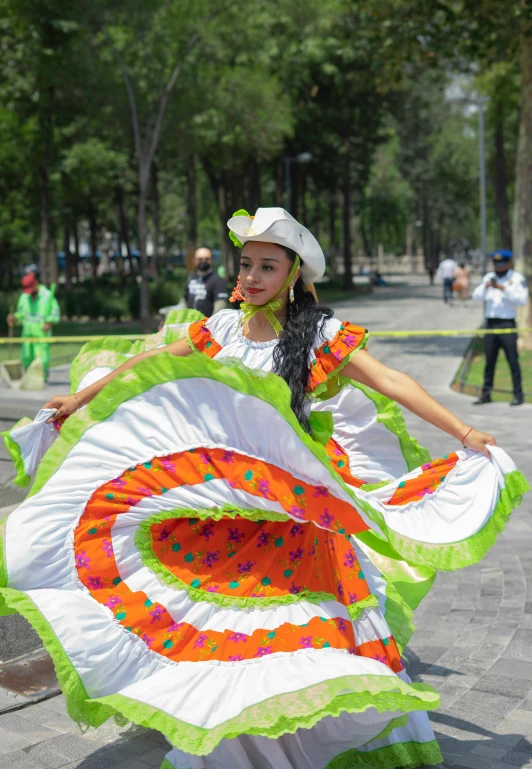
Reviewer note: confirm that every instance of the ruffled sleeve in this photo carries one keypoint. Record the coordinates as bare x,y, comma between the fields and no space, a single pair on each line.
209,335
339,343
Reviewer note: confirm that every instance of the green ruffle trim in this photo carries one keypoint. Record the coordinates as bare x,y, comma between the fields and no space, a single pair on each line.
328,388
22,478
144,544
4,609
183,316
167,765
285,713
466,552
395,723
402,755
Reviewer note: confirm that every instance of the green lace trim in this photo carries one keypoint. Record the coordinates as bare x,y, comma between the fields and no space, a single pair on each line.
324,387
406,755
4,609
285,713
268,718
395,723
167,765
22,478
398,615
144,544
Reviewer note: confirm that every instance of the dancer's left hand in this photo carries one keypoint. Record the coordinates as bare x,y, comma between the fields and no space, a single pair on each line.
478,441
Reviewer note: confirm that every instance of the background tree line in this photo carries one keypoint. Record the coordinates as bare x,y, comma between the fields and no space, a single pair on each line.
124,121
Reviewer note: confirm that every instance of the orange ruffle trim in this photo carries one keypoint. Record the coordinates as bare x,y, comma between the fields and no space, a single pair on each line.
202,339
332,354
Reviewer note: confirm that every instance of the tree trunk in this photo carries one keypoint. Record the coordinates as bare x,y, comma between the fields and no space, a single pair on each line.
333,236
48,259
501,198
254,186
192,214
66,250
93,228
346,220
295,177
522,224
304,217
278,173
123,227
145,315
155,217
76,251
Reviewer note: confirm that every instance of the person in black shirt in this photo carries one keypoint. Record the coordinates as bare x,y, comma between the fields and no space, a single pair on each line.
205,290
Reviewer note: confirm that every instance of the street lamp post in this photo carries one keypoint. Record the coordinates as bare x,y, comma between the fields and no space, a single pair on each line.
302,157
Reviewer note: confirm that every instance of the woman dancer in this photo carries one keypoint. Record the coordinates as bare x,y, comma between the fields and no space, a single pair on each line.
232,556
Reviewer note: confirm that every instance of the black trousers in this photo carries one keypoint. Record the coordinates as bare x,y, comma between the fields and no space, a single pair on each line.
492,344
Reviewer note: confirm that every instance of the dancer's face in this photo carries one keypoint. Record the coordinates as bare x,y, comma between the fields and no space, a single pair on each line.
264,267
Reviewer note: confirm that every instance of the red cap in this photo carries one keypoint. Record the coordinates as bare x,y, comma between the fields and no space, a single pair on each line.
29,283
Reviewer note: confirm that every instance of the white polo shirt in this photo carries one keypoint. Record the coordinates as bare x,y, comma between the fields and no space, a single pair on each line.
502,304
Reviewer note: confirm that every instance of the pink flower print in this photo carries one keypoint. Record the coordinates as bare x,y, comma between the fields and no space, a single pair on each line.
164,535
352,650
312,551
342,625
262,651
427,466
211,557
340,589
245,568
326,518
175,626
82,560
297,512
147,640
380,658
95,583
112,601
305,642
213,588
294,589
338,354
321,491
228,457
263,538
207,531
353,597
235,535
338,451
168,465
132,501
238,638
235,657
264,488
295,555
426,490
145,491
297,528
157,613
350,340
349,559
205,458
107,547
118,483
200,641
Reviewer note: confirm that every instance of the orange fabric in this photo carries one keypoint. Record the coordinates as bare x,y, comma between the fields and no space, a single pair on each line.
332,353
202,339
432,476
317,559
340,461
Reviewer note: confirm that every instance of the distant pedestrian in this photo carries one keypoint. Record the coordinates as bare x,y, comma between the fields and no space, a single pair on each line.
205,290
502,291
446,271
431,271
461,281
37,310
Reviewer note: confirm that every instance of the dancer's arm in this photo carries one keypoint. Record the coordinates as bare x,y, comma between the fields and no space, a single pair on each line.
407,392
67,404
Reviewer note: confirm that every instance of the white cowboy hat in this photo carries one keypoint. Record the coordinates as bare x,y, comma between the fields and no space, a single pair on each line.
275,225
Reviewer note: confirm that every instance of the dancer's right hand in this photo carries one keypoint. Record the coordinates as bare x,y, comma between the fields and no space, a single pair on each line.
65,404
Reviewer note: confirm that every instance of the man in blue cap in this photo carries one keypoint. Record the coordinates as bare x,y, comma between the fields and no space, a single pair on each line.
502,291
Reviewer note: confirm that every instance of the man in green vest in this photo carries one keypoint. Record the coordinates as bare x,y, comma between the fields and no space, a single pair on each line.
37,309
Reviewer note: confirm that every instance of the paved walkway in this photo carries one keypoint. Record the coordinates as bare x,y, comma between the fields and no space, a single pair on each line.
474,636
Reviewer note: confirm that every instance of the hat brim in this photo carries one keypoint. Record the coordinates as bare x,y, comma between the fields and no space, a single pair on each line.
288,233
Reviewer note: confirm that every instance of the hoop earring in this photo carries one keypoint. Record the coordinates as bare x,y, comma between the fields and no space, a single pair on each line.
291,295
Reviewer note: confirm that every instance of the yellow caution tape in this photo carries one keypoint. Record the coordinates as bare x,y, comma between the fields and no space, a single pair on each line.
373,334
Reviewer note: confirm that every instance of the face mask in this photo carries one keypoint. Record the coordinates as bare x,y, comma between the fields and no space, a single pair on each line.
203,266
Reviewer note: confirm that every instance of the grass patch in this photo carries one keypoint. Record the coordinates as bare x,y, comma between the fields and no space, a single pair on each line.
502,379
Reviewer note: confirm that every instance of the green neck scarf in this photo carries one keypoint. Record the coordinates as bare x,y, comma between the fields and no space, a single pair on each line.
273,306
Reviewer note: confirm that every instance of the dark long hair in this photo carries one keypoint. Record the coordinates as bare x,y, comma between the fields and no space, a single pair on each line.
304,320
